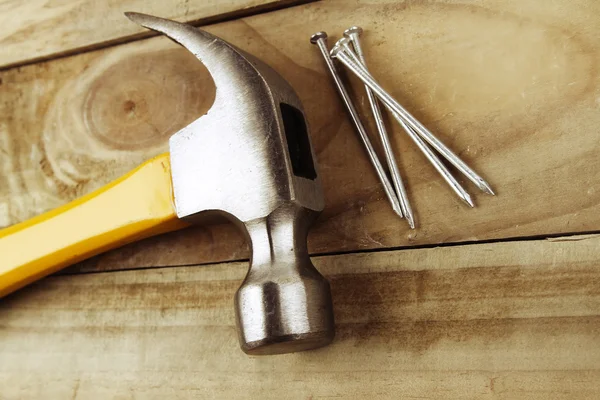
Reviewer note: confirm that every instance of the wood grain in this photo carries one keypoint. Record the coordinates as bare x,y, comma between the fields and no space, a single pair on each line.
514,320
511,86
40,29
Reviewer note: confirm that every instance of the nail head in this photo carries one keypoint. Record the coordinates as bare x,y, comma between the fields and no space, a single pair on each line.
353,30
335,50
342,42
318,36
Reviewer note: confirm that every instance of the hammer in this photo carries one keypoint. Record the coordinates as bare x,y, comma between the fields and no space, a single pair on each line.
249,159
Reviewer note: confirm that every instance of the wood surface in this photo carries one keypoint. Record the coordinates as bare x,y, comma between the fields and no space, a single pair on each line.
511,86
40,29
513,320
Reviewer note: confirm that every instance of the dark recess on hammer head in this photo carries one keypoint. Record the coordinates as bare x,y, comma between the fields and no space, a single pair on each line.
298,143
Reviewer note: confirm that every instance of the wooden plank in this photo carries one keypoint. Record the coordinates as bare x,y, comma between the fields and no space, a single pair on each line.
34,30
511,86
514,320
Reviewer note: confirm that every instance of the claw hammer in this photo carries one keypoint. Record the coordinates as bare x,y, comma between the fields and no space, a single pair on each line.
250,159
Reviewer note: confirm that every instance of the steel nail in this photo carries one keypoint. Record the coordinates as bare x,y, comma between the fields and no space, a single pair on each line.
320,39
351,36
340,54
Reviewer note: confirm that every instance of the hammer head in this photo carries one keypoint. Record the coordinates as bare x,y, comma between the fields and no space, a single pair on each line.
250,159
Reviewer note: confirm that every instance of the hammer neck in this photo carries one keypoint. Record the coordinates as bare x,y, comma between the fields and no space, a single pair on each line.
279,239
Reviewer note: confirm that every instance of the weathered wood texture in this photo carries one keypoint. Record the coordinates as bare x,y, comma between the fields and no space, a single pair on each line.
38,29
514,320
512,86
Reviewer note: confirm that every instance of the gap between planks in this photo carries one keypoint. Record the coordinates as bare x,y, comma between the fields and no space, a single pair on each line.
575,237
146,33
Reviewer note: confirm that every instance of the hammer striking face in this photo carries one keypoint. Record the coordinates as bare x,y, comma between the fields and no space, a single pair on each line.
249,159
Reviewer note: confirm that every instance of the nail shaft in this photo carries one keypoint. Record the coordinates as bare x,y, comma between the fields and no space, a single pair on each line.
429,154
435,161
320,40
385,141
391,103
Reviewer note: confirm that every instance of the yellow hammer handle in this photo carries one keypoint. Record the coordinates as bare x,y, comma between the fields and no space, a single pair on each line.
136,206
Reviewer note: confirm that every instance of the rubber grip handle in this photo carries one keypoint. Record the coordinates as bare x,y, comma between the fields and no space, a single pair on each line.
136,206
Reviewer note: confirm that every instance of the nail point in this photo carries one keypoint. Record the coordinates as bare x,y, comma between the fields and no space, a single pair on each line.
487,188
468,200
411,221
396,207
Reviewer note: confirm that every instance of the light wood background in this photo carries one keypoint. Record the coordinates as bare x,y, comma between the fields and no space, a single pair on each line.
512,86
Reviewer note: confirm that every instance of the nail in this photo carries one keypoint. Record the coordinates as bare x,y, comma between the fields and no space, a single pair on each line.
351,36
340,54
425,149
320,39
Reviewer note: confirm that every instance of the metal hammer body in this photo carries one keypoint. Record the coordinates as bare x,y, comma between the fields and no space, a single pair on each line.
250,159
